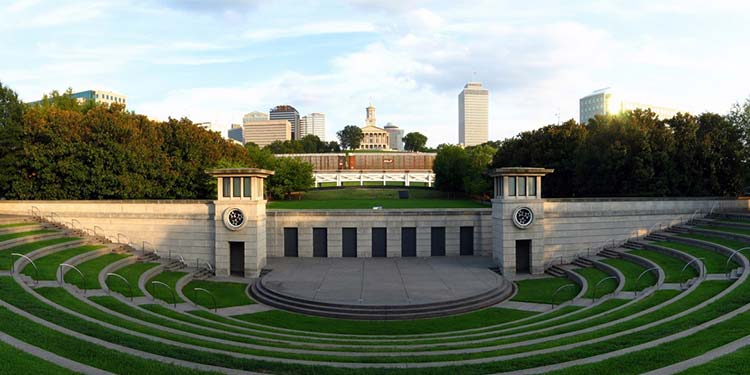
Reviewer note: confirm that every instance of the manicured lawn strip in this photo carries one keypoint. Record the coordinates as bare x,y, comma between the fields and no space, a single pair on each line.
741,221
132,273
15,361
12,236
541,290
732,244
733,363
301,322
48,264
82,351
15,225
350,204
158,291
632,271
726,229
227,294
91,269
6,260
593,276
671,266
715,262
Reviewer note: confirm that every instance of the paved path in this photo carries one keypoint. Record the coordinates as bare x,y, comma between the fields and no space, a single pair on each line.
246,309
670,286
526,306
381,281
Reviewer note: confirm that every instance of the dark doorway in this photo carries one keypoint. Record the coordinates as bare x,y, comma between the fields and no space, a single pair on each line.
290,242
349,242
379,239
467,241
437,241
237,259
523,256
408,242
320,242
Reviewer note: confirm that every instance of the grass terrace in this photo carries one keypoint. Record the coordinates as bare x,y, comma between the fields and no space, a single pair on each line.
6,259
132,273
91,270
12,236
15,225
366,198
594,276
714,261
632,271
49,264
541,290
745,232
158,291
227,294
672,266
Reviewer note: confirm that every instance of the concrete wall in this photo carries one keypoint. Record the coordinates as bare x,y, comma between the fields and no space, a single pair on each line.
365,220
572,226
183,226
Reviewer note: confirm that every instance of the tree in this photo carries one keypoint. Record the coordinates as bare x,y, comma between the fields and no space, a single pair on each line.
415,142
450,167
11,132
290,175
350,137
476,181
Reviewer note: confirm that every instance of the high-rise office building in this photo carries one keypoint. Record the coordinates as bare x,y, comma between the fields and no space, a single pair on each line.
236,133
263,133
395,136
605,102
289,113
205,125
254,117
313,123
473,118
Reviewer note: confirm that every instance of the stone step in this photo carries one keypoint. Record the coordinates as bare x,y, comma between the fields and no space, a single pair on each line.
609,253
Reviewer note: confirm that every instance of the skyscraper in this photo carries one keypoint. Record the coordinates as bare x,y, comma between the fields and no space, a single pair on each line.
473,118
395,136
289,113
605,102
315,124
254,116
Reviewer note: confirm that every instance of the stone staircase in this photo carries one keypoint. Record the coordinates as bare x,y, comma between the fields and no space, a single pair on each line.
656,237
609,253
678,229
491,297
556,271
583,262
633,245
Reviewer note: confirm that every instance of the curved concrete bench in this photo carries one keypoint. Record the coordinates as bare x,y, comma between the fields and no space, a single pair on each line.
612,271
32,238
648,264
694,262
21,228
80,258
112,267
147,276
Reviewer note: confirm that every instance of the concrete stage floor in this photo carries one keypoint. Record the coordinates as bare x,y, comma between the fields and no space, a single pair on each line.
381,281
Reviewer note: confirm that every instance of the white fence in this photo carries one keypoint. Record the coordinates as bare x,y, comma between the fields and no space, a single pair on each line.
361,178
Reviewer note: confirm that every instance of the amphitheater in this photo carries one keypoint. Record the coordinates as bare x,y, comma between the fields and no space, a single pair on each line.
581,286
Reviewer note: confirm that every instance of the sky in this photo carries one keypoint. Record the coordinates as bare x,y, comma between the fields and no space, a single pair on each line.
217,60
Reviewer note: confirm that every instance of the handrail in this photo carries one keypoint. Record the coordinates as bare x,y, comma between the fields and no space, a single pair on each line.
601,281
692,217
127,240
123,279
703,266
182,260
552,299
637,281
62,275
195,296
651,230
153,288
38,212
210,268
734,252
143,247
52,217
96,226
712,209
76,221
36,269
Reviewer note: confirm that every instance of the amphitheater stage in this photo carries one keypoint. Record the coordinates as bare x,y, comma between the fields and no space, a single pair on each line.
382,288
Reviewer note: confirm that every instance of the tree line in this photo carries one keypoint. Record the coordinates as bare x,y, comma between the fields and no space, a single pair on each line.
628,154
64,149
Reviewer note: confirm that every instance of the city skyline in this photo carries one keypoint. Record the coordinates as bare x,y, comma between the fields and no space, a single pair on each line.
409,57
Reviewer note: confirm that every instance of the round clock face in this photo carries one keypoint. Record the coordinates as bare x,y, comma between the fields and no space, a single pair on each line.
523,217
234,218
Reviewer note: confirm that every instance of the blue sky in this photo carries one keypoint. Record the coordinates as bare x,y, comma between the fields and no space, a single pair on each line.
216,60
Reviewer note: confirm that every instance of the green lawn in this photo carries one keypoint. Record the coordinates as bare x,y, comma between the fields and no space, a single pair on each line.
15,361
726,229
541,290
6,259
12,236
48,264
715,262
741,221
476,319
632,271
91,269
359,198
732,244
132,273
169,278
226,294
670,265
593,276
14,225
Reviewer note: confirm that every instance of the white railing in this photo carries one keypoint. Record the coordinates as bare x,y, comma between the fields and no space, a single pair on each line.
361,177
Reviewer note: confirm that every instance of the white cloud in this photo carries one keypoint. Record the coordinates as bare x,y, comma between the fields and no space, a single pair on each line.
306,29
